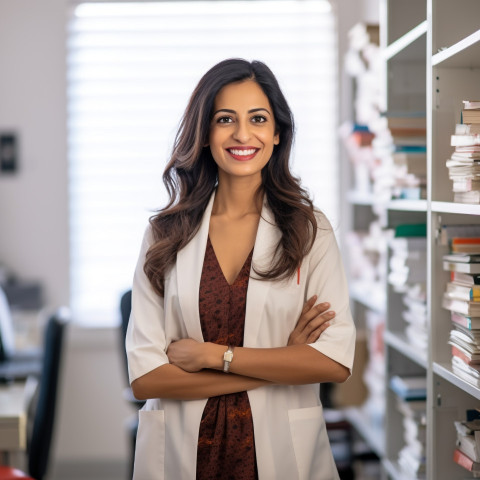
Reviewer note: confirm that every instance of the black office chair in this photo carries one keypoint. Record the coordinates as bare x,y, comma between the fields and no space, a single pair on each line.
125,309
132,424
40,440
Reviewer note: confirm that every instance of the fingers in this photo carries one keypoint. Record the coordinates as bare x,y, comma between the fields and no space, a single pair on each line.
318,322
307,308
313,312
309,304
314,336
313,321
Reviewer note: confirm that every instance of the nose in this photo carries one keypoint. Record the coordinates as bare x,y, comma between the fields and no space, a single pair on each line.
242,131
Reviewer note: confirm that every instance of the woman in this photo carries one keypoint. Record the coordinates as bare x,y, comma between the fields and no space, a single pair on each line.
227,340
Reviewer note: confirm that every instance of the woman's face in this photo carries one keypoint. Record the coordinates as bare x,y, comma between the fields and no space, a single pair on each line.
242,130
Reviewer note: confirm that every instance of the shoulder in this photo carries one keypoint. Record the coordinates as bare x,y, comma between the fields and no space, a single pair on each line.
324,228
325,239
148,239
323,223
148,235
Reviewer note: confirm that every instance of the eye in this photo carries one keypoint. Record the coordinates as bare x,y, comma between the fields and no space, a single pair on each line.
224,119
259,119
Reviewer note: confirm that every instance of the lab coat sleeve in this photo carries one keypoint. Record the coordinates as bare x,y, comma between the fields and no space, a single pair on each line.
326,278
145,341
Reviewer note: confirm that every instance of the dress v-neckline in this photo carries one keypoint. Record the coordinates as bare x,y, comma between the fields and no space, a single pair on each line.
209,242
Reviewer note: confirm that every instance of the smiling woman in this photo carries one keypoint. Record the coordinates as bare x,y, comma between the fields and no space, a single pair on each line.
217,289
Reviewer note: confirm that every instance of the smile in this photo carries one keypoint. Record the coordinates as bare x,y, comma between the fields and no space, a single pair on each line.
243,154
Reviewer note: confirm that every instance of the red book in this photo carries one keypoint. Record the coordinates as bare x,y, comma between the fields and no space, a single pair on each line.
470,359
466,244
465,461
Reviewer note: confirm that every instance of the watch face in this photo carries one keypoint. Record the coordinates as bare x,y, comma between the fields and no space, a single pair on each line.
228,356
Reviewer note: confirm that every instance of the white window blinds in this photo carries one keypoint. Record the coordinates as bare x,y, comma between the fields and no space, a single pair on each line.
131,70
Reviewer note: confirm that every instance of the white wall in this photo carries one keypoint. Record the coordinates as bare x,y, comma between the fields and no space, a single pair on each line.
34,230
33,203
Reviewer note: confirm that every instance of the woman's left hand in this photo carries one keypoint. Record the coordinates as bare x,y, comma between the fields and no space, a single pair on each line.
314,320
187,354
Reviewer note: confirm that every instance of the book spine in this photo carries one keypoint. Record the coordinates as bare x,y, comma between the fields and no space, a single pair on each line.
465,240
468,322
463,321
462,460
462,292
474,294
464,140
462,356
468,445
460,267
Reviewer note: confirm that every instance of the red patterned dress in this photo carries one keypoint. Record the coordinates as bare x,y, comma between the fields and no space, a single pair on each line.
226,448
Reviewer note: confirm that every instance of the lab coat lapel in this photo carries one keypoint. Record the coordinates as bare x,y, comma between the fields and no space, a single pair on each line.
189,272
267,239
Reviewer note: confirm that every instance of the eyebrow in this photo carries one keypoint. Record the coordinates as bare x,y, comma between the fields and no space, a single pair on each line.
253,110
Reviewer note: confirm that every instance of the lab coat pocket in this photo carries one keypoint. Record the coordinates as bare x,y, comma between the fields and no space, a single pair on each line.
150,446
311,445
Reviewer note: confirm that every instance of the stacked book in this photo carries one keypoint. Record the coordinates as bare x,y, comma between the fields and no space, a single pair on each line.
411,392
409,155
415,316
464,164
462,298
407,275
407,264
374,373
467,451
362,62
367,255
400,142
357,140
447,232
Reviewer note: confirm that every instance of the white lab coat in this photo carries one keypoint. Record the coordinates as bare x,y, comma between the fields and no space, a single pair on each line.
290,435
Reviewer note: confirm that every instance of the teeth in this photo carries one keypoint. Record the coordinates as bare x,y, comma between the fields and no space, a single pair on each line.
244,153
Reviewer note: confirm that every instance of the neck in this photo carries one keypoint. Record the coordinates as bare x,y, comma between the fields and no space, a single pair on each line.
237,198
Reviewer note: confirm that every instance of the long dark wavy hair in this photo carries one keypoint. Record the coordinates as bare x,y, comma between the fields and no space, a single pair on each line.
191,176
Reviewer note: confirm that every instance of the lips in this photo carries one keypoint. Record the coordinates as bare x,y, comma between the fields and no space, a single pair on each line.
242,154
